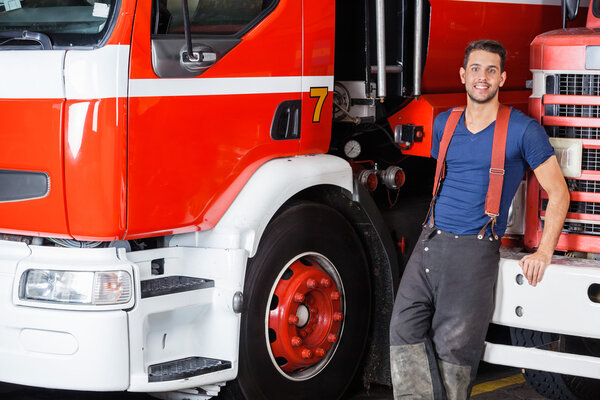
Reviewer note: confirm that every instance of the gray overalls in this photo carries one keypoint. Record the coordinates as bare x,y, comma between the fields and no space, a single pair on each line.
444,305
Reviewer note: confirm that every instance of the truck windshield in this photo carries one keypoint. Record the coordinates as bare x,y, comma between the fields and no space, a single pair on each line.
66,23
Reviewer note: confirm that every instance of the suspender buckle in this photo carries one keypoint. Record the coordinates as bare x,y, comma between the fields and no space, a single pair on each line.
496,171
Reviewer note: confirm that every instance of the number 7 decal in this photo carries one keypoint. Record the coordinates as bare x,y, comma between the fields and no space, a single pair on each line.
321,93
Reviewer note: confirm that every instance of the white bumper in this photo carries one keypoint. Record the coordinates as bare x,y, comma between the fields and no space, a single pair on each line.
79,350
560,303
112,350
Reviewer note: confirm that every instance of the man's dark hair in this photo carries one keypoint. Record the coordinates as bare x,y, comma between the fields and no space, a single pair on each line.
491,46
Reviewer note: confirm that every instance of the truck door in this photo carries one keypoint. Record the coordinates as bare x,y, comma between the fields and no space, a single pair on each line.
198,130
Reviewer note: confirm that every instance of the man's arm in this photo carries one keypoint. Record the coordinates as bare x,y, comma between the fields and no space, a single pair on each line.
551,179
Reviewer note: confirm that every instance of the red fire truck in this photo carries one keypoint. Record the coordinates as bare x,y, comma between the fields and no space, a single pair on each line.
185,203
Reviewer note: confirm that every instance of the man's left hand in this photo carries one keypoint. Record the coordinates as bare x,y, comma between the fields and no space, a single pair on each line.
534,265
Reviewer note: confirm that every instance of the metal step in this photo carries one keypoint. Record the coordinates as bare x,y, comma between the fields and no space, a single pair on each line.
185,368
173,284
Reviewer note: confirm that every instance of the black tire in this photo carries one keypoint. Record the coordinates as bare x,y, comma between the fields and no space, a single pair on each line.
319,233
553,385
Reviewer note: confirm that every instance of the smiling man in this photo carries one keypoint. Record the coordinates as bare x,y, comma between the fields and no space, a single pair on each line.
445,298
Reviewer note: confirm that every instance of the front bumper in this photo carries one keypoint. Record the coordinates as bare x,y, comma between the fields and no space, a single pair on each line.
113,348
64,349
562,303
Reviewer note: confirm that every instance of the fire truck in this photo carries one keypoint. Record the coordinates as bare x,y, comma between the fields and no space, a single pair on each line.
191,190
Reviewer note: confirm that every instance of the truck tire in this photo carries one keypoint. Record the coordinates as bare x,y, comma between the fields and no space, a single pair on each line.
554,385
307,307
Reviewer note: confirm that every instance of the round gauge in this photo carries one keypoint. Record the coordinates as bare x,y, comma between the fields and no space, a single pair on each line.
352,149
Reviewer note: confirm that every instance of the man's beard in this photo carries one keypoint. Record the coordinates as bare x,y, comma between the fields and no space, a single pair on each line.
485,100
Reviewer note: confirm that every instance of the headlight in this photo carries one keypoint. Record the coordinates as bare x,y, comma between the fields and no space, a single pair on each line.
76,287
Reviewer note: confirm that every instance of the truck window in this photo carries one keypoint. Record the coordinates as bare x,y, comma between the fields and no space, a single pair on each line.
209,17
67,23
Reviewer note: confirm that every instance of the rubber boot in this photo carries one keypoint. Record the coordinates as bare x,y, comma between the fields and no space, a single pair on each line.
456,378
411,378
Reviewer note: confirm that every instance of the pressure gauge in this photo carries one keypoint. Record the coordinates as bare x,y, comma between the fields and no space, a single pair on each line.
352,149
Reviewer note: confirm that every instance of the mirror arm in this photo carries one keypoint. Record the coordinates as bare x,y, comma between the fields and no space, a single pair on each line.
193,57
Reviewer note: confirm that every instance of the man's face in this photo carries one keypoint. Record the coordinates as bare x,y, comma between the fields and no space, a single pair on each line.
482,77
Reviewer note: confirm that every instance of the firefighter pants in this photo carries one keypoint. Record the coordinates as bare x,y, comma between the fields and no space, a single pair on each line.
441,315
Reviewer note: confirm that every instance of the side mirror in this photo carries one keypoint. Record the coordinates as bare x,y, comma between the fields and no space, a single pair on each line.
569,10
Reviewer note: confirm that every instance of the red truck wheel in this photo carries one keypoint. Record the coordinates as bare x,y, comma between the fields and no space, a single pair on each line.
307,309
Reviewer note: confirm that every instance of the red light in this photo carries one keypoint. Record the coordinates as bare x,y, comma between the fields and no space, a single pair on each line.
368,178
372,182
399,178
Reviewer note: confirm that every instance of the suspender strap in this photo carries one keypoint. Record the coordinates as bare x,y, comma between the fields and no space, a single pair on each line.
492,200
440,168
494,193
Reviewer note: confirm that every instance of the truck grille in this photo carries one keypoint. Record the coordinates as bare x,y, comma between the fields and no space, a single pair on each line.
573,132
579,222
581,228
579,207
591,160
576,185
574,84
574,110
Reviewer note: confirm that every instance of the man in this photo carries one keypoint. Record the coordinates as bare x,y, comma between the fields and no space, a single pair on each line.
445,299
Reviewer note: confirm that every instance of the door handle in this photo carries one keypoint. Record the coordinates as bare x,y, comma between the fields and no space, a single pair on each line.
203,57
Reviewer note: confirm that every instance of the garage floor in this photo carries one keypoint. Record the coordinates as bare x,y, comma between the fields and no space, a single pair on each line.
493,383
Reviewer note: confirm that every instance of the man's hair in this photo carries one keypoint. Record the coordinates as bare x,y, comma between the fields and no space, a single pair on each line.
488,45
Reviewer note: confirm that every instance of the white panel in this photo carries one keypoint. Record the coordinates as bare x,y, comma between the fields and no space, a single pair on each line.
92,352
544,360
317,81
226,86
213,86
195,323
27,74
559,303
569,153
270,186
97,74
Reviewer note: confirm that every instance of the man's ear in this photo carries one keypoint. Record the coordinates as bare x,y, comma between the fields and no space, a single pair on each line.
502,78
461,72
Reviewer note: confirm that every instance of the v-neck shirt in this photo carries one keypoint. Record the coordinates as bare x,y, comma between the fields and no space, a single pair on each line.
460,206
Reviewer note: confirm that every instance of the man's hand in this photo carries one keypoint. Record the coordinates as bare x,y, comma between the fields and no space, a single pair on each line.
551,178
534,265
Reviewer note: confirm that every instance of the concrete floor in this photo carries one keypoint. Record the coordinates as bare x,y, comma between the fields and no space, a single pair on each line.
493,383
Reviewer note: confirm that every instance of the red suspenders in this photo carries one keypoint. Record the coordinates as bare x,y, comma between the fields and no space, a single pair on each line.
494,193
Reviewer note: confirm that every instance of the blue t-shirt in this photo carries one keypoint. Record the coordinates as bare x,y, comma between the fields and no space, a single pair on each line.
460,205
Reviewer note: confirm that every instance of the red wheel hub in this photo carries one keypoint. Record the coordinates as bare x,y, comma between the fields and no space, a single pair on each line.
307,318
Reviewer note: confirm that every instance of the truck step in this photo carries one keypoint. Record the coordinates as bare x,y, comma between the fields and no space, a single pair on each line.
185,368
173,284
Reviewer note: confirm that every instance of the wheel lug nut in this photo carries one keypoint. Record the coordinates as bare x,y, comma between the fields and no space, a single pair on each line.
296,341
304,334
306,353
320,352
334,296
309,330
338,316
331,338
325,282
298,297
293,320
311,283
